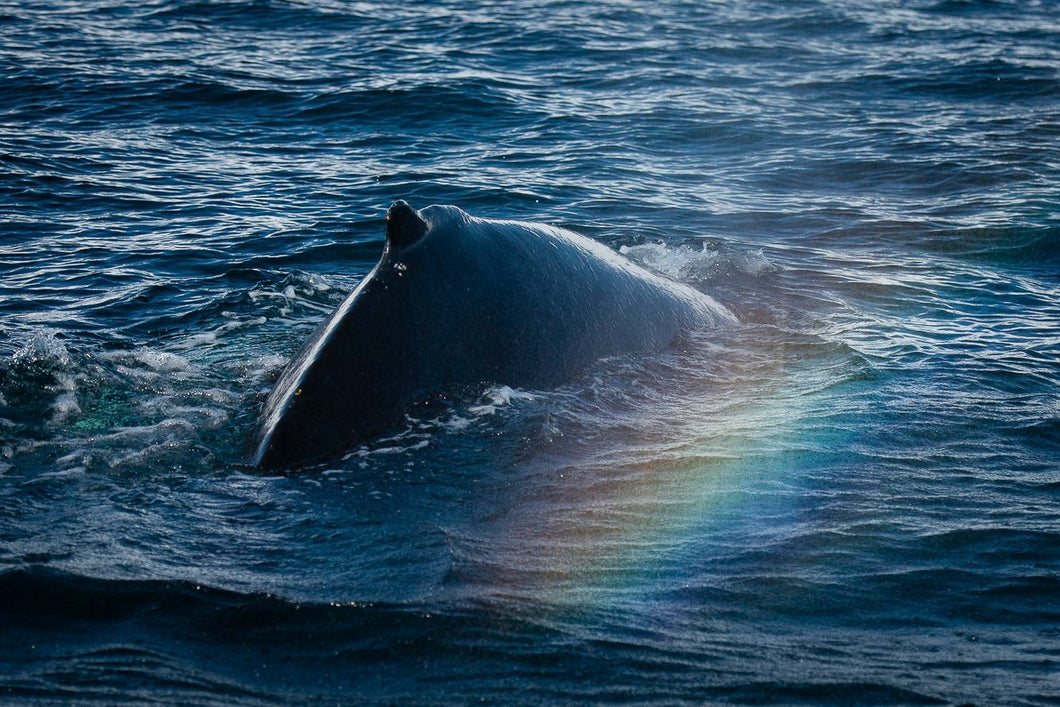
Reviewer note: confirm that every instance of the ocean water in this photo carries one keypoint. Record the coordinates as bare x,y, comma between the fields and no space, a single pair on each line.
852,497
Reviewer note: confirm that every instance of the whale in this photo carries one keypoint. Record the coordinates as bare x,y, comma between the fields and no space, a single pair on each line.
456,304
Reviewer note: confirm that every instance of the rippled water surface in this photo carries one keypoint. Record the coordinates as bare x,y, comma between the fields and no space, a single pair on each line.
849,498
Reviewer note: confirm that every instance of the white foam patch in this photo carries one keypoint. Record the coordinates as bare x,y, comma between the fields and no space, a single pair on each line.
401,449
419,433
160,430
152,368
142,407
206,417
217,396
209,339
754,262
124,446
455,423
257,371
65,407
302,294
60,474
163,361
491,402
43,347
672,262
401,443
497,398
314,283
687,263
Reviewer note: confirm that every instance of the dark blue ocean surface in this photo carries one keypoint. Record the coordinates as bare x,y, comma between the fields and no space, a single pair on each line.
852,497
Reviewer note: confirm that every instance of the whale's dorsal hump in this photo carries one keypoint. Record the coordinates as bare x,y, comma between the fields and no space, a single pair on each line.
404,225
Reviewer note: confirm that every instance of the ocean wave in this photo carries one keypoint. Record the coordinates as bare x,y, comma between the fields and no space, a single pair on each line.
415,106
187,641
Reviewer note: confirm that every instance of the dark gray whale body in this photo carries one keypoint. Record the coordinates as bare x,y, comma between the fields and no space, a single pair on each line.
458,301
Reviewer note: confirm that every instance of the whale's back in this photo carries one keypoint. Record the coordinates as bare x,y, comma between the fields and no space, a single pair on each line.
456,302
